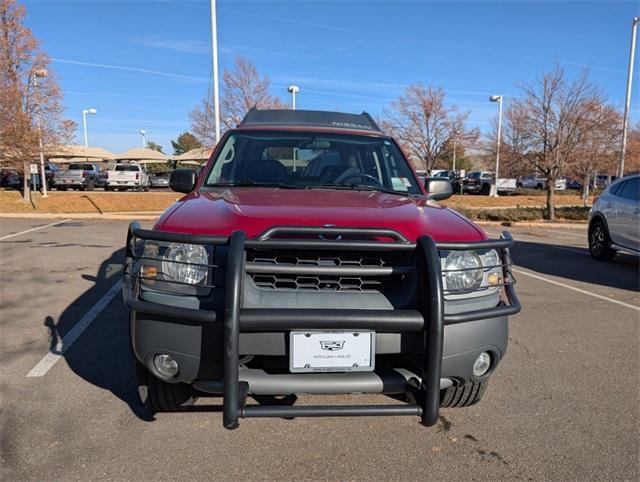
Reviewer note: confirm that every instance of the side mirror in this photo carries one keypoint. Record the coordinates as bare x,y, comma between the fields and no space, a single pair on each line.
183,180
438,189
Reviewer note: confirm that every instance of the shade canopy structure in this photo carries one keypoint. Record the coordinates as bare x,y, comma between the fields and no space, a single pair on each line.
191,163
151,161
141,154
76,151
199,154
71,160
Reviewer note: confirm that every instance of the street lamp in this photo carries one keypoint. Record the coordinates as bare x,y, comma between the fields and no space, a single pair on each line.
293,90
40,73
498,99
142,133
627,103
84,123
214,48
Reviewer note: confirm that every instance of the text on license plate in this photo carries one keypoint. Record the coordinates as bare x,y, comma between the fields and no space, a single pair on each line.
331,351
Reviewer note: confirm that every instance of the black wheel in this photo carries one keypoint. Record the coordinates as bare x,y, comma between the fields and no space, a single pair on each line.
107,188
463,395
539,187
91,185
599,241
486,189
63,188
159,396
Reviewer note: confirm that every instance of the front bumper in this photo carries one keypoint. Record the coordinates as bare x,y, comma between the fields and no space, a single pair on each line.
237,330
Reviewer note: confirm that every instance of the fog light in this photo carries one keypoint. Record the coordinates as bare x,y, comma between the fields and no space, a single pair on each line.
482,364
166,365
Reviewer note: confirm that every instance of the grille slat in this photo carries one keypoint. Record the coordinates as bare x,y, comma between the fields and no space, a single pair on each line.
310,270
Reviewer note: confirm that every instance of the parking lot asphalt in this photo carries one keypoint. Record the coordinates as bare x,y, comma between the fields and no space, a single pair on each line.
562,405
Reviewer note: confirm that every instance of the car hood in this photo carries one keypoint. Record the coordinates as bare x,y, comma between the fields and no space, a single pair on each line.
254,210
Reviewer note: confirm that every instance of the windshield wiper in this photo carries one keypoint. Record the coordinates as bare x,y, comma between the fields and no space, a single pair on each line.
357,187
247,183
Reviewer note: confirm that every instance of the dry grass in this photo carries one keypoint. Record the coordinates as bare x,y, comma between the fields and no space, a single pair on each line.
109,202
468,201
87,202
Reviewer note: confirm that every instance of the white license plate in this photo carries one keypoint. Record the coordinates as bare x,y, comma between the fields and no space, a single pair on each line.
331,351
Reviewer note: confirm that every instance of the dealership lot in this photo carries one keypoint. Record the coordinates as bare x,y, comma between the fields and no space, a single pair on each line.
563,404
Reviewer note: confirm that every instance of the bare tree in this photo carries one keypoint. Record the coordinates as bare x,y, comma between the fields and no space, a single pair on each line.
30,106
599,148
242,89
545,127
425,126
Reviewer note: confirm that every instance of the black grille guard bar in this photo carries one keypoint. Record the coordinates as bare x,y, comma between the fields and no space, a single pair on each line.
428,318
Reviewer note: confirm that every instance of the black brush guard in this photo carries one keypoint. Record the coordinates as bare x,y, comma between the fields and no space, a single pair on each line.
429,318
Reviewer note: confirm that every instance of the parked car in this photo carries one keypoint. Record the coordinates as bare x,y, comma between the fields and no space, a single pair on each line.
480,182
10,178
574,184
600,181
79,175
159,179
50,170
452,176
614,220
351,278
535,181
127,176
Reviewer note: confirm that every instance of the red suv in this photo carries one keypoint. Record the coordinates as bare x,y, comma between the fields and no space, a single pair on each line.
306,258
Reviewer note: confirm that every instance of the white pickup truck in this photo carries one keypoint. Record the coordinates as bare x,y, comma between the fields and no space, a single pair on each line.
127,176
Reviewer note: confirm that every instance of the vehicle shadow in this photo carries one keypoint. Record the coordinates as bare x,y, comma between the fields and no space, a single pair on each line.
576,264
102,354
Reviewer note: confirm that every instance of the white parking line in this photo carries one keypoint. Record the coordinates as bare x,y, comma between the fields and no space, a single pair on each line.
74,333
33,229
579,290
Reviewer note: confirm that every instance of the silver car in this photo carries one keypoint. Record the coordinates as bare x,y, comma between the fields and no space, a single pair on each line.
614,220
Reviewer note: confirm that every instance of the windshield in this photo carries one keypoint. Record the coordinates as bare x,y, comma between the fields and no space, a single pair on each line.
307,161
475,175
80,167
126,167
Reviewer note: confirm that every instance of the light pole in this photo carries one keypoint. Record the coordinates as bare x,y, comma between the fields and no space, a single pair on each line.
498,99
293,90
214,48
627,103
40,73
453,168
84,123
142,133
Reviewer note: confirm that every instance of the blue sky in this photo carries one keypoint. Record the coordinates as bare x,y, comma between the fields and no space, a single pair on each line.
146,64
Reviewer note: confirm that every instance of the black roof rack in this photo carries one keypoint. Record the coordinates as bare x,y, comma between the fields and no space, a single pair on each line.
311,118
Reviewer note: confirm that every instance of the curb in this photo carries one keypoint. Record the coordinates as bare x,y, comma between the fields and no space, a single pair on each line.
152,216
529,224
143,216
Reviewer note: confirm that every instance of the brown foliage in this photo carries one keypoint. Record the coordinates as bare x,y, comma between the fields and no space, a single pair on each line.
424,125
29,105
242,89
632,156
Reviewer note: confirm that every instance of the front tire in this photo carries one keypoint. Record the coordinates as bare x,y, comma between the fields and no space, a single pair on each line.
463,395
600,242
159,396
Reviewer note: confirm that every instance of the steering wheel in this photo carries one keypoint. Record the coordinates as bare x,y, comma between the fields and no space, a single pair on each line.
362,175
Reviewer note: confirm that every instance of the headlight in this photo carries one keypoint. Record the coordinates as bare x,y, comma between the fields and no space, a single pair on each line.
181,262
463,270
